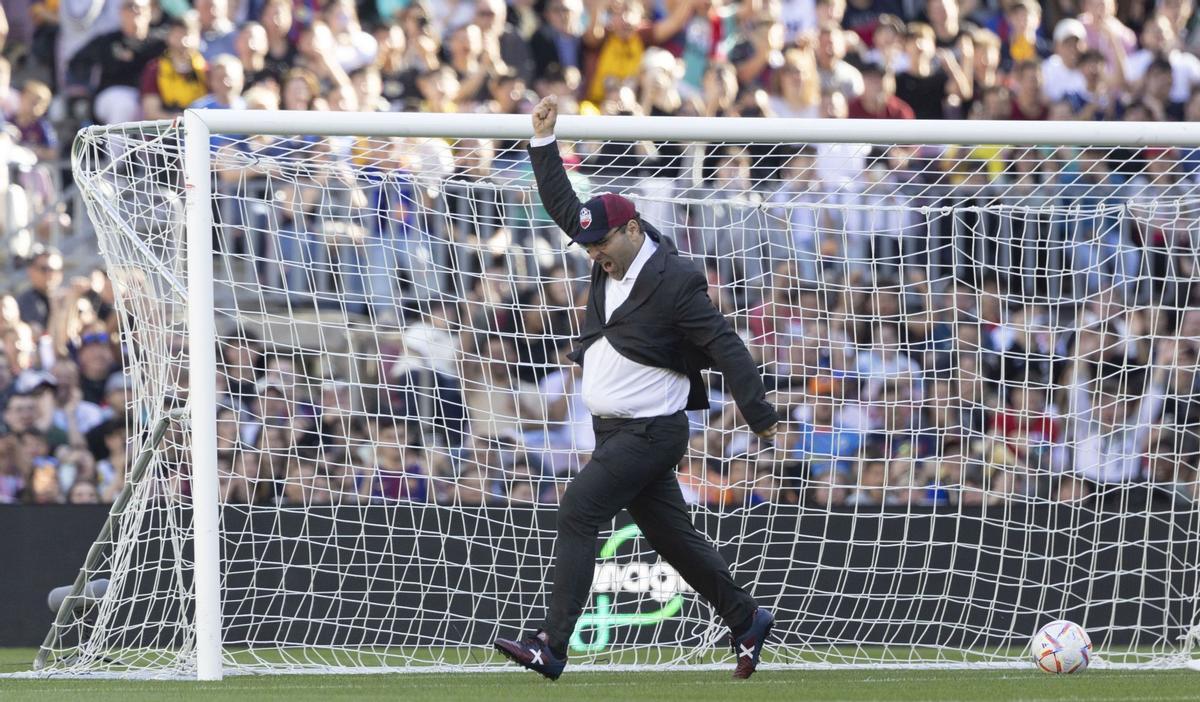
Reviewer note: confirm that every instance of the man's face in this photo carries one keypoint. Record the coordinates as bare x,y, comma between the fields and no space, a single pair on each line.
135,17
1030,79
226,79
1069,47
1155,33
559,15
1018,20
95,360
21,413
252,40
45,273
278,17
1092,70
1158,83
616,251
212,11
997,102
183,39
624,18
873,85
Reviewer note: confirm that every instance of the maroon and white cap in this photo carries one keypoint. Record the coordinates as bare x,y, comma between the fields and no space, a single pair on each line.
602,214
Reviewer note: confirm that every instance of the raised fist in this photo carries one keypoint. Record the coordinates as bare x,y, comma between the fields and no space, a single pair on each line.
545,114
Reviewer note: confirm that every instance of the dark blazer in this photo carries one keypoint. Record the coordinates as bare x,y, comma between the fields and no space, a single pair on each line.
668,321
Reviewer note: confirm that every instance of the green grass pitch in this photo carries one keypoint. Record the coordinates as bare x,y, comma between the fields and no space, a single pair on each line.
689,686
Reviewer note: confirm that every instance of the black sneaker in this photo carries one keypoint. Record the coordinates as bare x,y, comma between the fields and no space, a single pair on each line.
533,652
748,646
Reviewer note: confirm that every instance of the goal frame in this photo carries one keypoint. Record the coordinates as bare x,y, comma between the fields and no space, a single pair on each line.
200,125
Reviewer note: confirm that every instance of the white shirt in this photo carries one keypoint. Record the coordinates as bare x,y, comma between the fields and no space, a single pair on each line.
798,17
1058,81
614,386
1111,454
1185,71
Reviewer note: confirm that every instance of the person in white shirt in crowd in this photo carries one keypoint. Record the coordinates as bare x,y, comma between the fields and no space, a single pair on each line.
1061,73
1159,40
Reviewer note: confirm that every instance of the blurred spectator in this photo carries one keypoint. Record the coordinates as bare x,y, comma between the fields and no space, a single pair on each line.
44,487
45,277
1028,101
887,45
745,487
218,34
316,52
985,68
111,65
908,379
556,45
1100,97
926,86
1106,33
836,74
353,47
756,43
800,16
1156,93
720,90
473,64
1023,43
660,96
421,46
399,472
250,49
798,90
83,492
36,132
395,75
368,88
613,51
79,23
502,406
97,363
501,38
225,81
175,80
9,97
281,50
1061,72
821,442
878,100
1160,42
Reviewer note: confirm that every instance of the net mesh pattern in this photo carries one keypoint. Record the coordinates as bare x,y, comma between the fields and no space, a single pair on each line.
986,356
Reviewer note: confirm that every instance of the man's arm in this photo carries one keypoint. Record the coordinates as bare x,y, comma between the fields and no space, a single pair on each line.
554,187
704,325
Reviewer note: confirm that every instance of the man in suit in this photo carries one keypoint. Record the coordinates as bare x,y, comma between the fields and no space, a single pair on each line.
649,329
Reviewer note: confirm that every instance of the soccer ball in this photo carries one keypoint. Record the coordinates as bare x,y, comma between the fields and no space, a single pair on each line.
1061,647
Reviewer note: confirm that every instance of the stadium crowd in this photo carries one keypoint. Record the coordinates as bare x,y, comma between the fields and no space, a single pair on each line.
930,384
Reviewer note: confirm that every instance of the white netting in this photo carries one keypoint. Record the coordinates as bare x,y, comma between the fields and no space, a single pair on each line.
987,356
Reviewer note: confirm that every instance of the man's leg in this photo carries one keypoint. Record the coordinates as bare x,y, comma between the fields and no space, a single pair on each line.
662,515
627,458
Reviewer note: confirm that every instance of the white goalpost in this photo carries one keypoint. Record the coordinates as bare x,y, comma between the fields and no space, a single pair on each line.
353,412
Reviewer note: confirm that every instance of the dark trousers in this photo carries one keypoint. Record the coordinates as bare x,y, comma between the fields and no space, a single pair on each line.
633,467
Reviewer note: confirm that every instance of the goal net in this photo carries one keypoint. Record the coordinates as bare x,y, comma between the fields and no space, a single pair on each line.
985,349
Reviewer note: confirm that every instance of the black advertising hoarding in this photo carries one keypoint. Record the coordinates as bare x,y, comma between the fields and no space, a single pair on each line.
327,576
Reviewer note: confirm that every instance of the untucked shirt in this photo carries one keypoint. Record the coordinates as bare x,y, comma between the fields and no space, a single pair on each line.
615,386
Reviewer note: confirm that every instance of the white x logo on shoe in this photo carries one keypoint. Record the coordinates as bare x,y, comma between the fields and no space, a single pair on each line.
747,652
537,656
